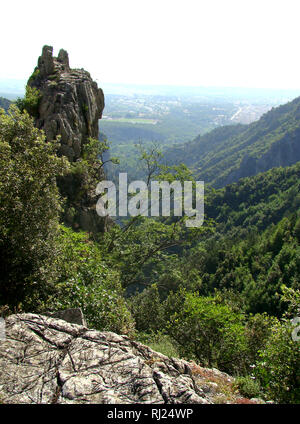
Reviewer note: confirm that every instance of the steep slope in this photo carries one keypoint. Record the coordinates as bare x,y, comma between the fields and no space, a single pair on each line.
255,248
254,203
226,155
193,153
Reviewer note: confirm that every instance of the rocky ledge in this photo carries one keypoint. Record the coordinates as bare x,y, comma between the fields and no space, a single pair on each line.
48,360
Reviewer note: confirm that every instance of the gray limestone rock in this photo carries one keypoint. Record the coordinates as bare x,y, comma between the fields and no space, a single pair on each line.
71,102
48,360
70,106
72,315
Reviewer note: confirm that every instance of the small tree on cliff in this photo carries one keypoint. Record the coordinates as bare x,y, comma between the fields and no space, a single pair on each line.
29,210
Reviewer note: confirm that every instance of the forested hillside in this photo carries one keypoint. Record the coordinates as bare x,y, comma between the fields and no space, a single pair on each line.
254,203
227,154
223,295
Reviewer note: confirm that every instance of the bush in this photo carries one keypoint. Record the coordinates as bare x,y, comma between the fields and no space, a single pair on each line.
30,102
147,310
248,387
211,333
258,330
88,283
278,368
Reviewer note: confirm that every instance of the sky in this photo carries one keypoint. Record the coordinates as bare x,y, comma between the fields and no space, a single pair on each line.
225,43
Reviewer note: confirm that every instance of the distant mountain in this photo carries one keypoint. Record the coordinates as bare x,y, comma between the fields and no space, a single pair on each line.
229,153
4,103
193,153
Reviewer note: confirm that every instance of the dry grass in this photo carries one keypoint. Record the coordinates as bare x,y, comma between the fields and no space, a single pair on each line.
226,392
244,401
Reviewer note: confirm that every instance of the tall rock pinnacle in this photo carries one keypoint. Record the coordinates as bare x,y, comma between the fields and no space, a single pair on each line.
70,106
71,102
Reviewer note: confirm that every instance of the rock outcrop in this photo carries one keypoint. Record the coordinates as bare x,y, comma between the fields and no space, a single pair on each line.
71,102
72,315
47,360
70,105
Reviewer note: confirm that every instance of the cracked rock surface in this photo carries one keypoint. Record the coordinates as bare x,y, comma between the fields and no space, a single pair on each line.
71,102
48,360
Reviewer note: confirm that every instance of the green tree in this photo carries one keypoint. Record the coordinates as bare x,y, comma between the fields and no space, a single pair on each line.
209,331
86,282
147,309
29,210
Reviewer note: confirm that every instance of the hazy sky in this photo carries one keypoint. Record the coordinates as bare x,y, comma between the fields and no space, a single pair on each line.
238,43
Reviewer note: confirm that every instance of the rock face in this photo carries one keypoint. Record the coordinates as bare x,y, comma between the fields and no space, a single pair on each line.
71,102
70,106
47,360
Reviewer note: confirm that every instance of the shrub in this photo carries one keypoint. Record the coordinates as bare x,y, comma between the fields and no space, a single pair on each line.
30,102
87,282
278,368
147,310
248,387
209,332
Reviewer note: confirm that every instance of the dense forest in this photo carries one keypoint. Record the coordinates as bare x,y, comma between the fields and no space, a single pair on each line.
223,295
230,153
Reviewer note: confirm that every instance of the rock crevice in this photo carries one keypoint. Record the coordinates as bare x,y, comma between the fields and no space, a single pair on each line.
47,360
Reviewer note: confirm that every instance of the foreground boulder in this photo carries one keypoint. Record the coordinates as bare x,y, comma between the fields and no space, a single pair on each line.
48,360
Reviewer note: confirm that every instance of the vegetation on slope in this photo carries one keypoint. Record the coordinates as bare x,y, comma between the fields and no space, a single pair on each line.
224,300
271,141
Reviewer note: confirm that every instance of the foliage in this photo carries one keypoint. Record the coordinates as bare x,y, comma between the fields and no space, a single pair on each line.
292,298
29,210
255,202
142,244
78,185
145,304
30,102
278,368
34,75
209,332
225,156
255,266
86,282
218,296
248,387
